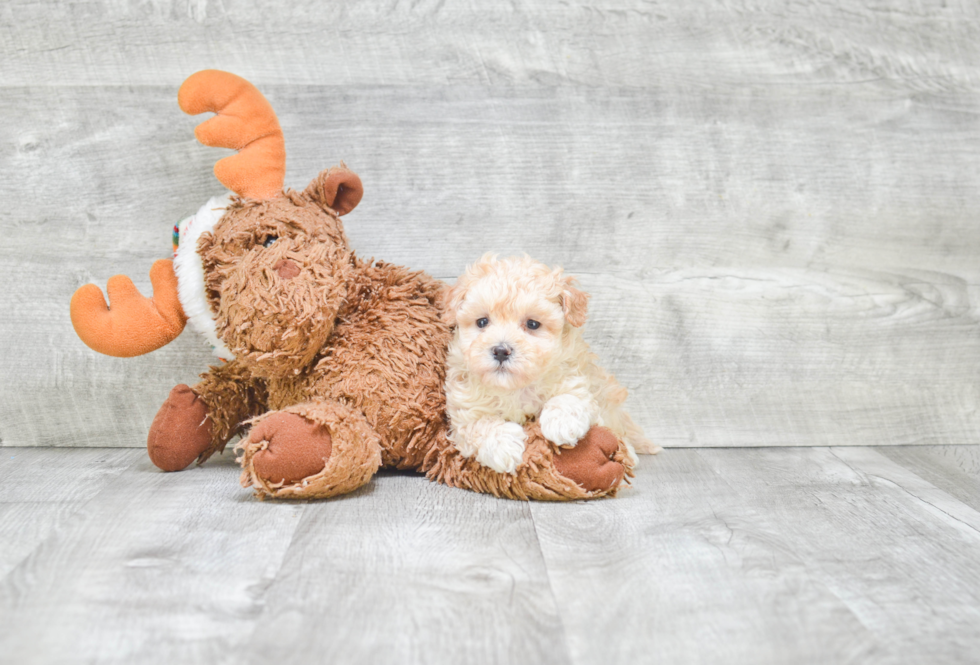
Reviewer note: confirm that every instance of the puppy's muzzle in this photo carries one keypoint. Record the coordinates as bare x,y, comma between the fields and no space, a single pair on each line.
501,353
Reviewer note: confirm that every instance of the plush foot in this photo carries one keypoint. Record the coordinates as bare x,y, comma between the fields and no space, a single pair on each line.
296,448
180,432
590,463
597,466
313,450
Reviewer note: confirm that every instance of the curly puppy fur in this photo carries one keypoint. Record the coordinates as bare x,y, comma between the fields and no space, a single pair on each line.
518,353
357,347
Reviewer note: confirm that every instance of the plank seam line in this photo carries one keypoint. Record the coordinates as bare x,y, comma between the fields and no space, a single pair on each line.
73,513
551,588
260,602
918,498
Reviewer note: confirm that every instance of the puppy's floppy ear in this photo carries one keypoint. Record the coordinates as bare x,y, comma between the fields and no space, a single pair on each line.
452,299
574,302
337,188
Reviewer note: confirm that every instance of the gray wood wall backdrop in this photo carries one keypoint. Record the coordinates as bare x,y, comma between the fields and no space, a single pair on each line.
773,203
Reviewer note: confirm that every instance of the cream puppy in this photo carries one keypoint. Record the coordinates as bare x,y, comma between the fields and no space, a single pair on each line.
518,353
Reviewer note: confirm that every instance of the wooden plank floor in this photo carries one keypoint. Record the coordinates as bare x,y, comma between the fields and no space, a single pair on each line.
784,555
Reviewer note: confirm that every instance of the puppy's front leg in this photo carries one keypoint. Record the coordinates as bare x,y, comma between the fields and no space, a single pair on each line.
496,443
567,417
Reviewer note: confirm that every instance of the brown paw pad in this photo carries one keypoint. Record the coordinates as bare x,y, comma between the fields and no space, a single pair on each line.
296,449
590,463
180,432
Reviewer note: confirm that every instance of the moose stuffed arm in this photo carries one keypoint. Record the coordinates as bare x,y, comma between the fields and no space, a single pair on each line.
332,366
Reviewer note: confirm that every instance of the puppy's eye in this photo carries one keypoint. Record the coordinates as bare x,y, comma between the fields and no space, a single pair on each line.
532,324
269,241
482,323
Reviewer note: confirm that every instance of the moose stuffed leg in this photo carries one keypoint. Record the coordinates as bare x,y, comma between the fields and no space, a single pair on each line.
597,466
181,431
194,423
316,449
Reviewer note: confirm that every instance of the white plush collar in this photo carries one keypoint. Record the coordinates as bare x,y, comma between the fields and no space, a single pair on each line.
190,271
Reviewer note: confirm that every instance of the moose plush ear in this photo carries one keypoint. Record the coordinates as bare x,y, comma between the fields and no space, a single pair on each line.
337,188
574,303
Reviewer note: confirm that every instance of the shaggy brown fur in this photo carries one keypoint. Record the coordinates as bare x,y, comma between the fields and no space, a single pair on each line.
357,347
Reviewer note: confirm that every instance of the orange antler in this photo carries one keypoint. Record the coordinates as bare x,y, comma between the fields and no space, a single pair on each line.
245,122
134,324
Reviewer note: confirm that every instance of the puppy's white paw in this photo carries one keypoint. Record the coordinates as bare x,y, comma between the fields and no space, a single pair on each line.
565,419
502,448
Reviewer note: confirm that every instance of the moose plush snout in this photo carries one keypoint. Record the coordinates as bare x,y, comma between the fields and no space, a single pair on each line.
286,269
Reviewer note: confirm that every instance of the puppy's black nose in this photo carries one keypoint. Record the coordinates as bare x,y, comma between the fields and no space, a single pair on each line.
501,352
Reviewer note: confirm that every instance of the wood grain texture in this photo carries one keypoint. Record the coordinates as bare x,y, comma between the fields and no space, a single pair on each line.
411,572
768,556
781,555
524,42
773,204
154,568
42,491
952,469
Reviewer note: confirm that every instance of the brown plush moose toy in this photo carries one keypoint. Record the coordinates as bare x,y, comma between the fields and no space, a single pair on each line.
333,366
